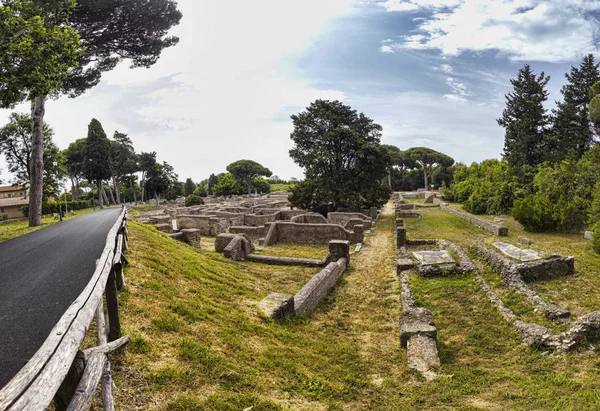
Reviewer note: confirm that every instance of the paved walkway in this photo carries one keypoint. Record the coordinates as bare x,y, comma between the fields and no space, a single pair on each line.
41,274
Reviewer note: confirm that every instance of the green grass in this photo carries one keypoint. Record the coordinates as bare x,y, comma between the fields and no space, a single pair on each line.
316,251
281,187
198,342
18,228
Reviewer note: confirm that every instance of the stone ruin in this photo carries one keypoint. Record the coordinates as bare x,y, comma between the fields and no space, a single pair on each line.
266,219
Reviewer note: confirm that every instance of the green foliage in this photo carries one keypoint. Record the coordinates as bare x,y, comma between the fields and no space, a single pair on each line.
261,185
276,180
38,49
74,159
485,188
193,199
212,181
227,185
3,216
96,154
15,144
201,189
161,180
245,172
53,207
190,187
526,140
428,160
596,238
341,153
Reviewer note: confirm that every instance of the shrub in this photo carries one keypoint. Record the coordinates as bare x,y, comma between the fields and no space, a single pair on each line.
596,238
193,200
52,207
3,216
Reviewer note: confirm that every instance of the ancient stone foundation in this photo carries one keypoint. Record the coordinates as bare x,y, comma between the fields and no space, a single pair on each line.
285,232
496,229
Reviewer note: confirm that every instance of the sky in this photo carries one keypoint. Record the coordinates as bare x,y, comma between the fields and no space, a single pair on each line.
433,73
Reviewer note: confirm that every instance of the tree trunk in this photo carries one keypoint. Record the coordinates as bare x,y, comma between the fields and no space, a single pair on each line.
117,190
104,195
134,196
390,178
112,197
36,167
100,191
143,186
156,196
425,176
74,189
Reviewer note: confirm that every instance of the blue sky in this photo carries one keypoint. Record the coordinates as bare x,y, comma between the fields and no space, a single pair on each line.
431,72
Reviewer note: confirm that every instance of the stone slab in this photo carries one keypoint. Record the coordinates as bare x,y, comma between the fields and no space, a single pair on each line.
277,305
434,257
416,321
520,254
588,235
404,264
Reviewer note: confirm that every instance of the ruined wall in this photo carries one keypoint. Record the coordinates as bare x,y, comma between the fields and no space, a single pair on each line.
495,229
285,232
260,219
312,218
208,225
253,232
317,287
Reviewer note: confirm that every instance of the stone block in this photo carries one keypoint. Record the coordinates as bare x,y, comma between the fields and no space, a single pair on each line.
400,237
524,240
588,235
422,356
192,237
429,199
404,264
223,241
339,249
359,229
434,257
399,222
239,247
519,254
165,228
277,305
416,321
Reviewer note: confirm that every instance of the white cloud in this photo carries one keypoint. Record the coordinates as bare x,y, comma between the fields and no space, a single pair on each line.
412,5
446,68
540,30
386,49
224,93
457,87
455,98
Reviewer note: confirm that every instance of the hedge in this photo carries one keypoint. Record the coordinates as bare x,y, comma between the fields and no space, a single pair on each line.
52,207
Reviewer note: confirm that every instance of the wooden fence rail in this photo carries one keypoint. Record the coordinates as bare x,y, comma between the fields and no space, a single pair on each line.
59,370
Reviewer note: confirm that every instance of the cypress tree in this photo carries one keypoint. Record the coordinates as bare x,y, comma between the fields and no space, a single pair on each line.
96,164
571,128
526,142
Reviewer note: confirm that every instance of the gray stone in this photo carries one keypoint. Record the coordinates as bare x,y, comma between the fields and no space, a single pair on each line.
165,228
192,237
277,305
404,264
524,240
416,321
400,237
422,356
223,241
519,254
339,249
588,235
238,248
433,257
317,287
429,199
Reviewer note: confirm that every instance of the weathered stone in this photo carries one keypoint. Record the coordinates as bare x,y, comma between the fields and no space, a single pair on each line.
429,199
496,229
317,287
588,235
192,237
165,228
239,247
339,249
405,207
399,222
422,356
433,257
524,240
404,264
517,253
277,305
414,321
223,241
313,218
407,214
400,236
177,236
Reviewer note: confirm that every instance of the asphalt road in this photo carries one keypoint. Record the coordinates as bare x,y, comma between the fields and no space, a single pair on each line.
41,274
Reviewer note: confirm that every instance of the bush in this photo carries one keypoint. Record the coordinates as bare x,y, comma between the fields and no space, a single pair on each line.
193,200
3,216
53,207
596,238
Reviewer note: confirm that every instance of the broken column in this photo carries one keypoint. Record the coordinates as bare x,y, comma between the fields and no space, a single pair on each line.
400,236
339,249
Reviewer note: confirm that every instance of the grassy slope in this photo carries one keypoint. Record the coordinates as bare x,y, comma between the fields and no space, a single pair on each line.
18,228
198,342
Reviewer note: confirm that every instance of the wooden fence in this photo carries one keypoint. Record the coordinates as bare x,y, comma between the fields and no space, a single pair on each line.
59,370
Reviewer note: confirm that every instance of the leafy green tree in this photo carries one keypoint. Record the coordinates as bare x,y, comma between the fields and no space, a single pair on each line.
123,160
74,162
261,185
428,161
526,142
38,51
193,199
227,185
96,164
146,163
341,154
15,144
202,189
571,126
161,180
212,181
245,171
190,186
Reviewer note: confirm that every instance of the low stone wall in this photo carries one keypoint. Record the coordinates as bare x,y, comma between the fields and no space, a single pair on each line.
285,232
407,214
286,215
259,219
191,236
495,229
343,218
253,232
513,274
306,300
312,218
207,224
273,260
234,246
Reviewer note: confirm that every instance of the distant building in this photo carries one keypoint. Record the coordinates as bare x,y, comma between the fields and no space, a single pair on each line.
12,198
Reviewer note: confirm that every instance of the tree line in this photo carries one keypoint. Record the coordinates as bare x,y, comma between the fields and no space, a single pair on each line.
51,48
549,175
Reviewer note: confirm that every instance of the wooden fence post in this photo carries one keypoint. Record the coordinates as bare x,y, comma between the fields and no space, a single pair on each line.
112,306
67,389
